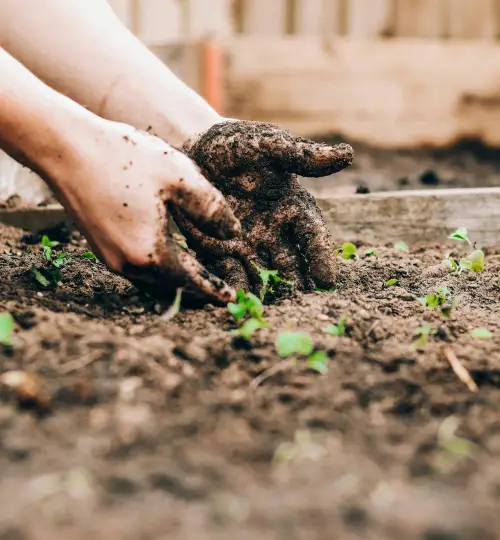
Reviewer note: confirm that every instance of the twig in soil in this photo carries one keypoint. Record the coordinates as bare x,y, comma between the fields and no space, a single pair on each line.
174,309
80,363
459,370
273,370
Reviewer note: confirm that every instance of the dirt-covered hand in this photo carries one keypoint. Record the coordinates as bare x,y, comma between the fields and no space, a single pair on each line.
119,188
255,165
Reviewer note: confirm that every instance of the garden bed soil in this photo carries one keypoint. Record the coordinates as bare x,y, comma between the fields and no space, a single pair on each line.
132,428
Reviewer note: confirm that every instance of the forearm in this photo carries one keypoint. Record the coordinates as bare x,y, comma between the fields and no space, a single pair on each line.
37,125
82,50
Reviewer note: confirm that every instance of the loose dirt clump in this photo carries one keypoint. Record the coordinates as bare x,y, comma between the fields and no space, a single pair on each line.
149,429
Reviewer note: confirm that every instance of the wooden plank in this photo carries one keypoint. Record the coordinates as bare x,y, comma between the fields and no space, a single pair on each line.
421,18
208,19
402,92
370,19
160,21
414,216
469,19
265,17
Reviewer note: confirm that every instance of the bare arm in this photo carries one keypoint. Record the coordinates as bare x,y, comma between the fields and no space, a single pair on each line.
81,49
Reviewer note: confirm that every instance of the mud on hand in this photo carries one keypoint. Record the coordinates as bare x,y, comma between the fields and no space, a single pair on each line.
255,165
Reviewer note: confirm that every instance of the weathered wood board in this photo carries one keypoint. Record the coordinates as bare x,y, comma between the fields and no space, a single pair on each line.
392,93
377,218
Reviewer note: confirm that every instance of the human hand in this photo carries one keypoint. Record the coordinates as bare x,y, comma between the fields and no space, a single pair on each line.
118,189
255,166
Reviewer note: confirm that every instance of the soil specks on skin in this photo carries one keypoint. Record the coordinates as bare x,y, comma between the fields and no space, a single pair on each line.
154,428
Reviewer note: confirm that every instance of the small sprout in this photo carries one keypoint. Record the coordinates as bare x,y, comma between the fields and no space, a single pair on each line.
248,328
269,278
290,343
247,305
448,309
434,300
391,282
6,328
338,329
460,234
451,265
465,264
174,309
401,246
46,242
422,334
481,333
477,260
61,260
40,278
318,361
349,251
89,255
47,253
370,252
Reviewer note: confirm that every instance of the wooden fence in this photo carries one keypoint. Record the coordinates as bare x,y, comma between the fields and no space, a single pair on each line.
164,21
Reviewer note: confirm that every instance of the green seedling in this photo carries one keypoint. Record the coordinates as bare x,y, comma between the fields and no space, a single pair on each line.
481,333
248,328
46,242
89,255
247,306
6,328
348,251
474,262
391,282
434,300
460,234
269,278
40,278
422,334
290,344
338,329
370,252
401,246
452,265
175,308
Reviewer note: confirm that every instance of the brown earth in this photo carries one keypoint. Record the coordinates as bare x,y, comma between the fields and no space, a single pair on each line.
143,429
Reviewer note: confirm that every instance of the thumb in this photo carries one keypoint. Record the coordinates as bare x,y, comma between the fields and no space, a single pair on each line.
202,202
309,158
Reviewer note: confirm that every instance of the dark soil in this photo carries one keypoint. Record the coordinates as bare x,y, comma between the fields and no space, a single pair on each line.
138,429
465,164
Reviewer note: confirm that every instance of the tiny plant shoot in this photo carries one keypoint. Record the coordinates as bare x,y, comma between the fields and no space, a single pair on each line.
460,234
300,344
348,250
422,334
474,262
401,246
434,300
370,252
248,328
269,278
6,328
391,282
249,307
481,333
337,329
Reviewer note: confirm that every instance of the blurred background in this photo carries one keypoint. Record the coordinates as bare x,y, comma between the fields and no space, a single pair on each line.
414,84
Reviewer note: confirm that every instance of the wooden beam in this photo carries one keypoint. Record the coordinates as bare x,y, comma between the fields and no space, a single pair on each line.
392,93
415,216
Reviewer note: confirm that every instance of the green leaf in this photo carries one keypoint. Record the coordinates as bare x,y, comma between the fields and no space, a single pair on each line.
422,334
338,329
460,234
370,252
391,282
318,361
45,241
349,251
238,311
290,343
60,260
465,264
248,329
401,246
40,278
47,253
481,333
89,255
476,259
268,279
451,264
6,328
